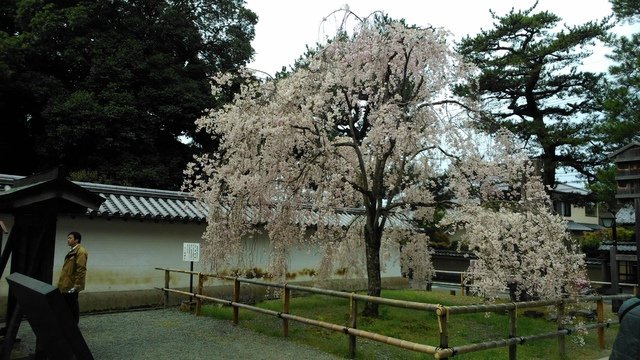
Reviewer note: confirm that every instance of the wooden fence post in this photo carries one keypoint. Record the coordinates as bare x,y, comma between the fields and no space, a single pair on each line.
236,298
600,315
167,277
513,315
560,323
285,310
442,314
353,305
199,292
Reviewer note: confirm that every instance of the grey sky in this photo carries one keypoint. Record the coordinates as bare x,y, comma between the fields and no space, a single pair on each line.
286,26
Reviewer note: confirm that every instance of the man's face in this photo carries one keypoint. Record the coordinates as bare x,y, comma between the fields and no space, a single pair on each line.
71,240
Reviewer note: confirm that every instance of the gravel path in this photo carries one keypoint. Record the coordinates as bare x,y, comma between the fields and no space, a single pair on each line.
171,334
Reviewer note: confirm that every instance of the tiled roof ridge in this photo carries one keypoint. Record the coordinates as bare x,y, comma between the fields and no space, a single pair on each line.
135,191
130,202
115,189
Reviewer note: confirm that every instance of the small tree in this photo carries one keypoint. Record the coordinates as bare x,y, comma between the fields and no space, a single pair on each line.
530,253
519,243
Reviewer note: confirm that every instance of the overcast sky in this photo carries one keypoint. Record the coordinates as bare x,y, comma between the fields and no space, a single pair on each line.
286,26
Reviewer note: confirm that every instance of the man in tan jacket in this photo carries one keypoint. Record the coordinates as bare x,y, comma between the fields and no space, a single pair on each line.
73,273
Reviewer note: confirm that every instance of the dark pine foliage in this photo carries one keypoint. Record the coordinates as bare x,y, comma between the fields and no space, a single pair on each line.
529,82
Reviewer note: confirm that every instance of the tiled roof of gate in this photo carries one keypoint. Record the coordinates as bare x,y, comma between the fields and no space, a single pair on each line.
138,203
153,204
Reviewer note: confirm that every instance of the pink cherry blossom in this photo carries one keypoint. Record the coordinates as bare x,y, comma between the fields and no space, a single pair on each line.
364,127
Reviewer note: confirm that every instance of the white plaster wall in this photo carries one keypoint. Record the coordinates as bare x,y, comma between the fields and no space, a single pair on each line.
578,215
300,259
123,254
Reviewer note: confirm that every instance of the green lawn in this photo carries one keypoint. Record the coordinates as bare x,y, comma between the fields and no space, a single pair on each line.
415,326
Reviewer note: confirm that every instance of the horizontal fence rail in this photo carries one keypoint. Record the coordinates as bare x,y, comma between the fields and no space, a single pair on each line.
443,313
464,287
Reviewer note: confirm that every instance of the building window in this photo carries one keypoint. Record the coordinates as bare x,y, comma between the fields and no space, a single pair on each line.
627,272
590,210
562,208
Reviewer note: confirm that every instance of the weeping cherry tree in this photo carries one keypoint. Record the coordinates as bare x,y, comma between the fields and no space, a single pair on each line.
363,125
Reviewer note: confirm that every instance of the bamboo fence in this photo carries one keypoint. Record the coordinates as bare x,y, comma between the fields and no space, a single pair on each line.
443,313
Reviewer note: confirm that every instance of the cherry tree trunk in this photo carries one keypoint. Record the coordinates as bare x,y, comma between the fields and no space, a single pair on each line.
373,234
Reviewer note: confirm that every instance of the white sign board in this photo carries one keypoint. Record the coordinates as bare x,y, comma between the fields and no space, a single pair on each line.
191,252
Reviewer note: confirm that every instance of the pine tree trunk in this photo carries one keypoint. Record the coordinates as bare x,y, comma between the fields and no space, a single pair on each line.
549,166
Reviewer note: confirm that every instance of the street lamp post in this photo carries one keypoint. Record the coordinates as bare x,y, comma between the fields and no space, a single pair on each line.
609,221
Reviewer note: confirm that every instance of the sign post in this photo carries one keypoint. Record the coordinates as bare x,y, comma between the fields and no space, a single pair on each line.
191,253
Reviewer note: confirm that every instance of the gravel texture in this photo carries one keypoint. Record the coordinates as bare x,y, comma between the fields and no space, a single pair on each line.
172,334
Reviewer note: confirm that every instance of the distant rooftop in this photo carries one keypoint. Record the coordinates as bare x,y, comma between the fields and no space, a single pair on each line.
566,188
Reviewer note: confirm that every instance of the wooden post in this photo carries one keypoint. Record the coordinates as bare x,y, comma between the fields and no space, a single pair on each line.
199,290
442,313
600,315
513,313
613,263
167,277
560,324
462,284
285,310
353,304
236,298
191,284
636,209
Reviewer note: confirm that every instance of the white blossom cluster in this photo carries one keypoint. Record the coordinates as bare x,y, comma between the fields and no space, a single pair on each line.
508,224
364,126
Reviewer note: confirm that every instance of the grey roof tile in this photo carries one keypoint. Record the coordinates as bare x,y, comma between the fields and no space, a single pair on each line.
622,246
626,215
137,203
